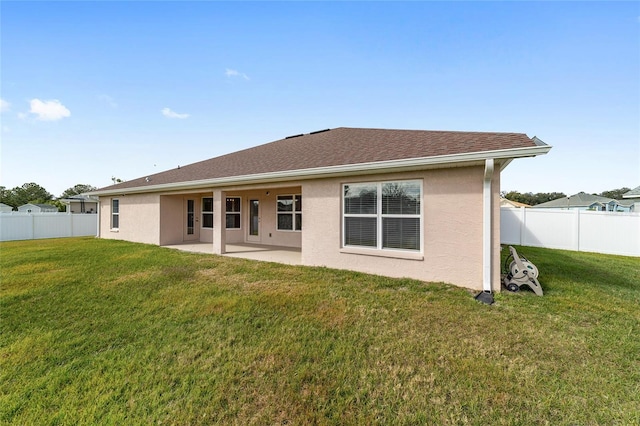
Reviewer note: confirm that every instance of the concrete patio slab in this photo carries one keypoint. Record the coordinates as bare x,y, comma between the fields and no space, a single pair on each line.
263,253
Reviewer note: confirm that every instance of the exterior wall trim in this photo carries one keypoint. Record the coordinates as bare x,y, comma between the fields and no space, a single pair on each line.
333,171
394,254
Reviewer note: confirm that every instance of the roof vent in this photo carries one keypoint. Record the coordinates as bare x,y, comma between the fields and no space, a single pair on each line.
294,136
319,131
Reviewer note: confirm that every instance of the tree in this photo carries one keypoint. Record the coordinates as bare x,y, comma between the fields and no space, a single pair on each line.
62,207
29,193
616,194
543,197
77,189
531,198
6,196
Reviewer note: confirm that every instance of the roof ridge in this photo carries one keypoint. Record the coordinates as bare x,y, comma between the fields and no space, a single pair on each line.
431,131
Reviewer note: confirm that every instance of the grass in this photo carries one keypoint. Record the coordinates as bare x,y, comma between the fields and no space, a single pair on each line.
109,332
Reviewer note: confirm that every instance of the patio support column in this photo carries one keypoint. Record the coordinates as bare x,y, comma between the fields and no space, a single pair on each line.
219,221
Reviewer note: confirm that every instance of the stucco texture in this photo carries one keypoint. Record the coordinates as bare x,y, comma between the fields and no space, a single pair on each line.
139,217
452,229
452,232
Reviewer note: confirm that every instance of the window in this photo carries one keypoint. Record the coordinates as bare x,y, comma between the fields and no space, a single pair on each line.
289,212
383,215
207,212
233,212
115,213
191,212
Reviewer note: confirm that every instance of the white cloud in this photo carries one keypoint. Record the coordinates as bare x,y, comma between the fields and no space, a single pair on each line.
48,110
233,73
4,105
108,100
172,114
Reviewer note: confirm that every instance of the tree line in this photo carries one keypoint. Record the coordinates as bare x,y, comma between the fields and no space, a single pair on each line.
542,197
35,194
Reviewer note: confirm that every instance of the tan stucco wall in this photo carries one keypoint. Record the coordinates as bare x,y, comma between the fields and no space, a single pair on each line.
171,219
139,218
269,234
452,200
452,231
142,220
173,211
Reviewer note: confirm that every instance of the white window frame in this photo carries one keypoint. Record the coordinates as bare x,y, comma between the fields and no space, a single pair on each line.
115,214
206,212
379,216
293,213
238,213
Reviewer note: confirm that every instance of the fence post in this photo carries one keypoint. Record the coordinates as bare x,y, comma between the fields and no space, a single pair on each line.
523,224
33,226
577,229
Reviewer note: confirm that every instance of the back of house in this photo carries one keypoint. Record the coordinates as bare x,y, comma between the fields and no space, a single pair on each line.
401,203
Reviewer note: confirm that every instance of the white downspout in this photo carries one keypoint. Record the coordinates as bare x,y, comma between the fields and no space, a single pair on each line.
487,234
99,214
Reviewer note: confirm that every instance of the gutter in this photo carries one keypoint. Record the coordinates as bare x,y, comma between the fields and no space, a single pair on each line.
331,171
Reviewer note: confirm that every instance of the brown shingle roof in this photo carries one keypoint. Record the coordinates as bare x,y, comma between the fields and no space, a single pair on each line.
336,147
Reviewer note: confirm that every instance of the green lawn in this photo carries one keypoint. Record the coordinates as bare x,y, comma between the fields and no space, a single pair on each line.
108,332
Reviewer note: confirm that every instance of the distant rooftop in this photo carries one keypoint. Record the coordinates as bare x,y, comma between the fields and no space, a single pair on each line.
581,199
634,193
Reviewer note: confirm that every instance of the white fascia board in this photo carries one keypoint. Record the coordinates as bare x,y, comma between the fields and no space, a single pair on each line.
321,172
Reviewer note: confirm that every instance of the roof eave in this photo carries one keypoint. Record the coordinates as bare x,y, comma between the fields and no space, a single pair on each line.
332,171
630,195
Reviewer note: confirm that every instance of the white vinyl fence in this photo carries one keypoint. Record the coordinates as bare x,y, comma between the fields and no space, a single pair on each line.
31,226
578,230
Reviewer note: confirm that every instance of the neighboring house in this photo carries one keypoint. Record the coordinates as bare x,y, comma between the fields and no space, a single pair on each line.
5,208
37,208
370,200
627,205
81,203
634,193
581,201
632,197
512,204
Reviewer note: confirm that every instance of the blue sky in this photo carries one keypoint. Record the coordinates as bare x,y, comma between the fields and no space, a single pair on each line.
95,90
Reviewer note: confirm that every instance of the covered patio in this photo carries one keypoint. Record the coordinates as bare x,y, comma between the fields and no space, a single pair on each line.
264,253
